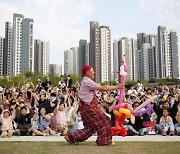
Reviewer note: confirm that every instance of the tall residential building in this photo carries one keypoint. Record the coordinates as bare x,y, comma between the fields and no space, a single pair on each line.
8,52
70,61
105,46
157,57
115,60
95,49
45,57
66,62
74,51
100,47
1,54
152,62
159,51
129,60
82,54
134,50
55,69
86,54
150,39
140,40
143,58
38,57
174,54
165,54
27,46
17,43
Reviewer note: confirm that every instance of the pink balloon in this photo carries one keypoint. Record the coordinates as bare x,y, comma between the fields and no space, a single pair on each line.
116,107
125,68
145,103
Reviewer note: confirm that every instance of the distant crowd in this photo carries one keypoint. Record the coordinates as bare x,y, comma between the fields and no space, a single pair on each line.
45,110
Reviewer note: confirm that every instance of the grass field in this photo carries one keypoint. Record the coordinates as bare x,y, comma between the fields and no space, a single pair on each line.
89,148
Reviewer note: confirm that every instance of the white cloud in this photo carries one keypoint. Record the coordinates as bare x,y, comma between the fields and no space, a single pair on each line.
165,12
62,22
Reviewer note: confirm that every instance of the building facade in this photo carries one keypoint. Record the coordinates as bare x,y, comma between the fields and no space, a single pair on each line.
55,69
45,57
174,55
8,49
100,47
2,40
115,61
82,54
71,61
17,43
105,46
27,46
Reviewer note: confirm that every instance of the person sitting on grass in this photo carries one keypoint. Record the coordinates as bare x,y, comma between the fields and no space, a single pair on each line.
6,121
177,125
53,123
76,119
42,128
165,124
23,119
136,127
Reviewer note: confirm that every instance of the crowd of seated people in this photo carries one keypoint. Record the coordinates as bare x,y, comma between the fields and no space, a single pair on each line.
45,110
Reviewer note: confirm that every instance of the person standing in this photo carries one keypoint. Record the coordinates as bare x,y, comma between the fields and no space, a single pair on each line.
94,120
69,82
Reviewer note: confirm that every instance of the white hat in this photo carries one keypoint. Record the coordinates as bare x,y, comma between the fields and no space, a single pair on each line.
6,111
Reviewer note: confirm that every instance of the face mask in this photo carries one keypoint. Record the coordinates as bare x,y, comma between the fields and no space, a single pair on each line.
53,99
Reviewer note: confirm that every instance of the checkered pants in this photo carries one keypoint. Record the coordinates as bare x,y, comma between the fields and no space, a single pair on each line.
93,120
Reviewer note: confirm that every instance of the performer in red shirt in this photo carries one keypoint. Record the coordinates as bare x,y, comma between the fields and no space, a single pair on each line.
94,120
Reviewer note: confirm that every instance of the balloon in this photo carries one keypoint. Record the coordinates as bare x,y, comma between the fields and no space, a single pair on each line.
116,113
121,110
145,103
125,111
122,73
144,111
119,129
164,97
118,106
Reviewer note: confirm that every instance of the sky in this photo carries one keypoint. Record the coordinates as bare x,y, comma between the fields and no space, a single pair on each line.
64,22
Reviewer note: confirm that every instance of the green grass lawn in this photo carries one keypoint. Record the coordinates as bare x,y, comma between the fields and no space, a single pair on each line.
89,147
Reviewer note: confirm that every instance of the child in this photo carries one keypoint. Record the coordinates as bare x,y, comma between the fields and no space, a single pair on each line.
166,123
177,125
6,121
23,118
61,120
136,127
53,122
42,128
77,120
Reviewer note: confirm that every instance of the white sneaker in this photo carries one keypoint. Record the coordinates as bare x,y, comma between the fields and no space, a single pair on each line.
46,134
33,134
151,133
58,134
52,132
4,134
9,133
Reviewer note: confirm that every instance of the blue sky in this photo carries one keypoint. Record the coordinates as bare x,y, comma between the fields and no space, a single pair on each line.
65,22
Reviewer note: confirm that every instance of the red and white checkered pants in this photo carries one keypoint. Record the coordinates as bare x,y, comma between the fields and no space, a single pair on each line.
93,120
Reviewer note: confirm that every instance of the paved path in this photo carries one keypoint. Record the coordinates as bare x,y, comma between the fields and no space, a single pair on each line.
154,138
